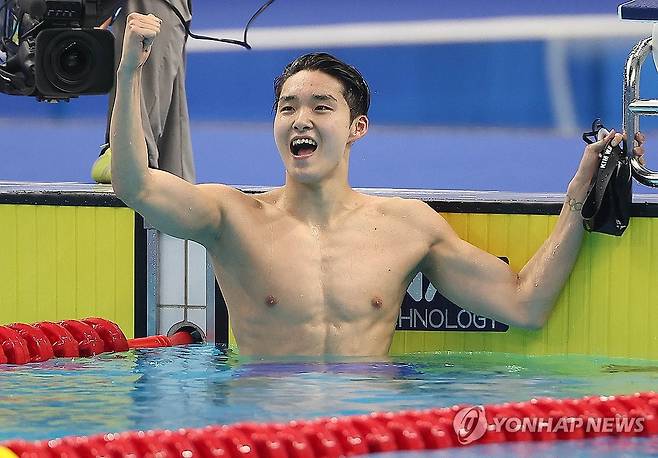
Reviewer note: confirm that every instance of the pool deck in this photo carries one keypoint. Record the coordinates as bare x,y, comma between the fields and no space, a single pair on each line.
83,194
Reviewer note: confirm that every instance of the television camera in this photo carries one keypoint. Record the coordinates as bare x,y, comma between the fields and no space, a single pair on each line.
53,49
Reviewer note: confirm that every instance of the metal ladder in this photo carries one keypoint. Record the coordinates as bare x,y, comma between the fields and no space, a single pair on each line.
634,106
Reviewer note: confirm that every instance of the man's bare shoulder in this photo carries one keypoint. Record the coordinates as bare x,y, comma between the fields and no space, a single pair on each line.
399,206
415,212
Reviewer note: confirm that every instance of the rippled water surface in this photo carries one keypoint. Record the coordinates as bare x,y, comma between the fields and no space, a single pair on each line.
198,385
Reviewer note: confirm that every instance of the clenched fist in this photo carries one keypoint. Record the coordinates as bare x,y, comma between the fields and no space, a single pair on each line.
141,30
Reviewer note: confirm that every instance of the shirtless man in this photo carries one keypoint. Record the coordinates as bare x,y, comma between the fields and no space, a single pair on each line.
315,267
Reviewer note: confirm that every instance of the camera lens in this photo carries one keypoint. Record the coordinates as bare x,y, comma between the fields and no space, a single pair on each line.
71,61
74,61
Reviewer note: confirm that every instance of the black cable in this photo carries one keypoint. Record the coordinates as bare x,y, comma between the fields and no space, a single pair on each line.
242,43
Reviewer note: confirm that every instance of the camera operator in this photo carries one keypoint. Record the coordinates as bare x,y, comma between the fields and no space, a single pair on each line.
165,118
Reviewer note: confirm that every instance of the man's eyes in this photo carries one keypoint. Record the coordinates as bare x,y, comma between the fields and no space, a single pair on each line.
288,108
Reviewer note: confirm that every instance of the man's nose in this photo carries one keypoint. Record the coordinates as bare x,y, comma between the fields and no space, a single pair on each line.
302,121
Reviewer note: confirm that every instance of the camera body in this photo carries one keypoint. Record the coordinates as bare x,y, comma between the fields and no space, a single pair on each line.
53,50
74,62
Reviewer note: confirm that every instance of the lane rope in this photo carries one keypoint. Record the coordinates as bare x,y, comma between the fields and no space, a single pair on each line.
541,419
30,343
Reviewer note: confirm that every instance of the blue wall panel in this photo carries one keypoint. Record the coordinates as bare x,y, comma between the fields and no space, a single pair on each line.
463,84
438,93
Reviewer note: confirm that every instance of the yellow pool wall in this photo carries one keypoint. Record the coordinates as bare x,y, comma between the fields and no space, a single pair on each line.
67,262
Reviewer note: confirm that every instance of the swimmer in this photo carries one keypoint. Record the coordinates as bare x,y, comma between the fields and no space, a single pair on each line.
315,267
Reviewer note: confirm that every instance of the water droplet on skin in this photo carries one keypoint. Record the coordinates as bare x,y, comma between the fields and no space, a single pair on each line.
555,249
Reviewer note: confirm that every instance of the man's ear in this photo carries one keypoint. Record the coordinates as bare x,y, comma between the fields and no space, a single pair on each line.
358,128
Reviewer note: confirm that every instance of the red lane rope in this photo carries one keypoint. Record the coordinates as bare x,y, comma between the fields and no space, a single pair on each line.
535,420
28,343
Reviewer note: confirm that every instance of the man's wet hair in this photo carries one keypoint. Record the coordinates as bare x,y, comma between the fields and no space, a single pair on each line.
355,88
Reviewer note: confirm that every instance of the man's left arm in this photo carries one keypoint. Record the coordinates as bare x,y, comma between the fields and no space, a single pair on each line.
482,283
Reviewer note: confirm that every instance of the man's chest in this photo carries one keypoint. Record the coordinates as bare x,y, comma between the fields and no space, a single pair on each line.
351,269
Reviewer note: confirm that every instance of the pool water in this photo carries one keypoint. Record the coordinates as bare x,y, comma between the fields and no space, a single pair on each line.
199,385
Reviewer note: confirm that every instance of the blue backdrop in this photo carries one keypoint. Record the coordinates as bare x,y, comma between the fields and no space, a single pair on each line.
460,115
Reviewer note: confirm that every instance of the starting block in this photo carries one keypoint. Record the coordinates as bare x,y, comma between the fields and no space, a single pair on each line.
639,10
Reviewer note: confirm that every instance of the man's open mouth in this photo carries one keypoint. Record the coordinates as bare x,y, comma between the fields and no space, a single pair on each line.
303,147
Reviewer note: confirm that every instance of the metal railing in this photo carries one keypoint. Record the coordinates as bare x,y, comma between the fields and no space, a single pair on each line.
634,107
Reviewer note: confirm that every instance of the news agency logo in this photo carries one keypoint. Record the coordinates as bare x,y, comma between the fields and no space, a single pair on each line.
470,424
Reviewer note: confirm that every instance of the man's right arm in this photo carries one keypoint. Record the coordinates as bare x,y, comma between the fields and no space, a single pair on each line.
169,203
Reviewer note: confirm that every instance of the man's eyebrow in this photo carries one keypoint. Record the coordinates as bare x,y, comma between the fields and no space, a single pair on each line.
323,97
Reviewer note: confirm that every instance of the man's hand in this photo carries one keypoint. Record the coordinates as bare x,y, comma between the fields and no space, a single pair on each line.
592,155
590,162
638,151
141,30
